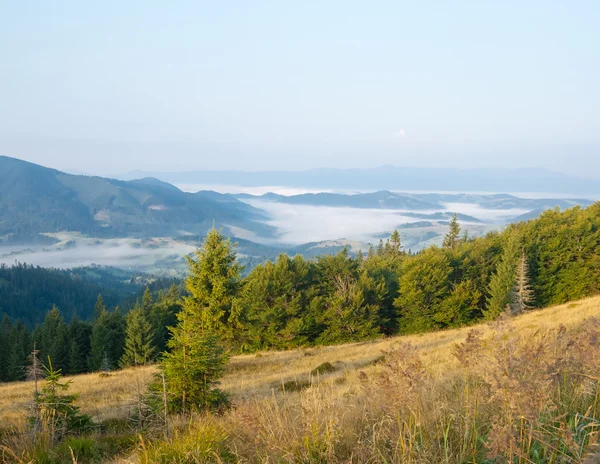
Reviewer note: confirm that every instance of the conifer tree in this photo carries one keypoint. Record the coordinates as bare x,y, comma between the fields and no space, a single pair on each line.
52,338
147,302
79,350
502,281
371,251
196,360
395,243
139,348
6,333
380,248
213,283
522,294
451,240
100,307
100,340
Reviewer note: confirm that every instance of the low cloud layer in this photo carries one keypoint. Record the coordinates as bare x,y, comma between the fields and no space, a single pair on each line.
118,253
299,224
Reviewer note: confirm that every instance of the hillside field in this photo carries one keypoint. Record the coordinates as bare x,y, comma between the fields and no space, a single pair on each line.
448,396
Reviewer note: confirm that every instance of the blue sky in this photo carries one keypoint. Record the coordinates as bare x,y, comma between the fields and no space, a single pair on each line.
107,87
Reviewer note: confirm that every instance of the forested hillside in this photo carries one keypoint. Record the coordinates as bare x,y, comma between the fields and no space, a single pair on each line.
36,200
27,292
333,299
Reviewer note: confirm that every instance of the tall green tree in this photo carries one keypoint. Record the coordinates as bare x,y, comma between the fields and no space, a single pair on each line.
100,341
503,280
52,338
139,348
213,283
424,286
79,350
452,238
196,359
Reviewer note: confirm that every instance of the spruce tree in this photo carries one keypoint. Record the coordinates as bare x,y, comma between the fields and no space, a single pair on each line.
79,350
451,240
147,302
196,359
395,243
522,294
6,334
503,280
100,307
213,283
139,348
53,339
100,341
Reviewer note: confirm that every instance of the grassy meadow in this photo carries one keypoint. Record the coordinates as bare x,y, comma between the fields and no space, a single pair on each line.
522,390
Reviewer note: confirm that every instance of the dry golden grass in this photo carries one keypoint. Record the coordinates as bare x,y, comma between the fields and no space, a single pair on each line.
260,375
424,401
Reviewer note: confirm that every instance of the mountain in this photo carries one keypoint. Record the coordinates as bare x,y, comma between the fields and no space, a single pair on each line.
395,178
381,200
36,200
418,201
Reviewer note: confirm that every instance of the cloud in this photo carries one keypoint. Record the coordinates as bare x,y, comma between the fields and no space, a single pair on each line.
400,133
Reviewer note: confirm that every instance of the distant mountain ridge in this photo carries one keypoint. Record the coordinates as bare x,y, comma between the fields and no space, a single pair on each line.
418,201
394,178
35,200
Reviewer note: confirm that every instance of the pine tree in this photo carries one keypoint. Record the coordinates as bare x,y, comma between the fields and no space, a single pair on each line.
6,333
79,350
522,294
395,243
380,248
502,281
451,240
100,307
139,348
371,251
196,361
147,302
213,283
193,366
100,340
54,410
53,339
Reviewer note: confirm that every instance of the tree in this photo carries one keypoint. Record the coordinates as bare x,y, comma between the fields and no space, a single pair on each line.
196,360
213,284
451,240
424,285
55,412
395,243
100,340
164,315
147,302
99,307
53,339
522,295
503,280
139,348
193,366
79,350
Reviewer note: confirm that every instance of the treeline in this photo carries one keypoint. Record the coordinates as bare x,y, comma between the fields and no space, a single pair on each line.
28,292
338,298
111,340
293,302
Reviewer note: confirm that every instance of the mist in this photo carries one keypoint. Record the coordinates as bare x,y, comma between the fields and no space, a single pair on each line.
298,224
122,253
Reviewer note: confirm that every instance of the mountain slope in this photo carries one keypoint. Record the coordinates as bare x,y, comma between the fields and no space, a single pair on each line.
35,200
384,199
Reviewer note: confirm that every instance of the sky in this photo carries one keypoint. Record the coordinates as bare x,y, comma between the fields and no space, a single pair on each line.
110,87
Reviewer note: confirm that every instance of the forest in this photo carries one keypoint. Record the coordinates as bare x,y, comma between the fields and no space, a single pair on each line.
332,299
